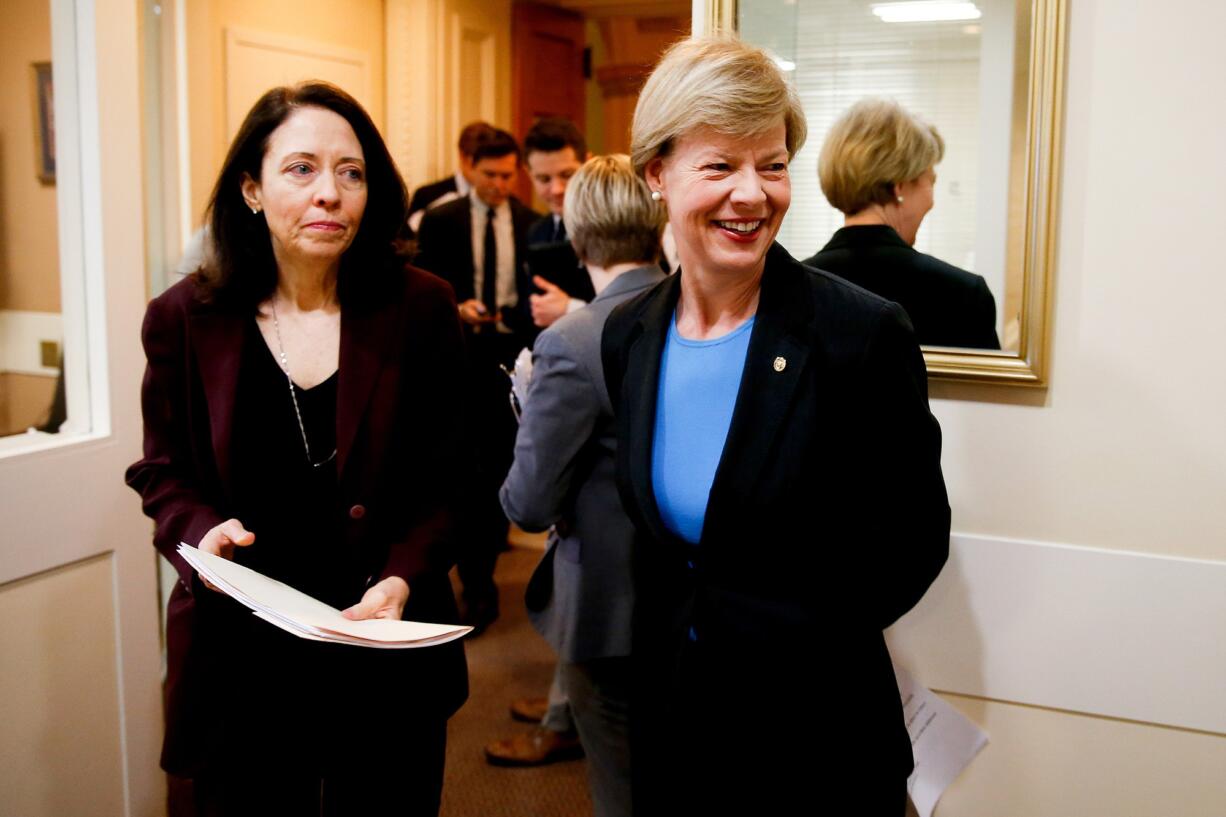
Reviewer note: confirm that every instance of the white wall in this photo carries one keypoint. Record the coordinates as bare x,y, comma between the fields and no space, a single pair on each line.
1126,450
1128,447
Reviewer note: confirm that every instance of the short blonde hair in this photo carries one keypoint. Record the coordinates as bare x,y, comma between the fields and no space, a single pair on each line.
609,214
875,145
717,81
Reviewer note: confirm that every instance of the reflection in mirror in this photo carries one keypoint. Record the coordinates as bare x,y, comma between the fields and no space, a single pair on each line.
958,75
878,167
31,331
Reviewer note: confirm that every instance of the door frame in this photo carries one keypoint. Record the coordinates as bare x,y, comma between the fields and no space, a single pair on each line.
64,500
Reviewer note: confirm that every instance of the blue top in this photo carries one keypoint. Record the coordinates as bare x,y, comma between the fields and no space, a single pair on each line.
699,382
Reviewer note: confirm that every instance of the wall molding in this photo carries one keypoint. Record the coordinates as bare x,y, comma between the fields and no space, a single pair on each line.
1103,632
401,91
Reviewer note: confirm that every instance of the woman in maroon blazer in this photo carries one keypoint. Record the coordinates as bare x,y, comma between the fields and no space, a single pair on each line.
302,416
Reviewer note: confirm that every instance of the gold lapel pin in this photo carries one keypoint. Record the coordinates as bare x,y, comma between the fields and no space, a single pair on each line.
781,363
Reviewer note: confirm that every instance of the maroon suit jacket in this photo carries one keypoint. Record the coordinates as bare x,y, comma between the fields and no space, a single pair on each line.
398,427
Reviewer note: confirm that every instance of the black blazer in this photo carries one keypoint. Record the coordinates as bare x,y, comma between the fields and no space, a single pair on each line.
827,520
948,306
556,262
427,194
398,475
444,247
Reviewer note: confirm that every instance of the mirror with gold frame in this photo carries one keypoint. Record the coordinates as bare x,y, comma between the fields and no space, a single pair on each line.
990,77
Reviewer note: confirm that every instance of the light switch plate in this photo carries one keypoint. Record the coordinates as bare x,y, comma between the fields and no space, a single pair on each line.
49,354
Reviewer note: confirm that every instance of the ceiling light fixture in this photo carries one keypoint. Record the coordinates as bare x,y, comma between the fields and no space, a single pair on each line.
926,11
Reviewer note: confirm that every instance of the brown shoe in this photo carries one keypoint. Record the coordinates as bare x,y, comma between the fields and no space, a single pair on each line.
534,748
530,710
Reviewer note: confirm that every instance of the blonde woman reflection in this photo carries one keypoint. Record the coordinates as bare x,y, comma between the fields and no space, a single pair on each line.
781,467
877,166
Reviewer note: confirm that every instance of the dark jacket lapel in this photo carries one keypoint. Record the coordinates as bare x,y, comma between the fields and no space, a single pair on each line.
522,221
464,242
643,366
367,336
778,354
217,341
217,338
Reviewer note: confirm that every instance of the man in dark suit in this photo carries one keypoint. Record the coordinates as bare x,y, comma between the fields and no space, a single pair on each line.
554,150
476,244
457,184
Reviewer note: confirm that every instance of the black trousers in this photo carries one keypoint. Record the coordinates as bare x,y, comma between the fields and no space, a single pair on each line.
298,727
599,695
491,426
719,734
405,780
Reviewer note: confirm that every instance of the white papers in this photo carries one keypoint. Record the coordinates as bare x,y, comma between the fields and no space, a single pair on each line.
521,376
297,613
943,740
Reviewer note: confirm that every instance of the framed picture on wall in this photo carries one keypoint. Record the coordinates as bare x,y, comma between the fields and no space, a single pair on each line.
44,123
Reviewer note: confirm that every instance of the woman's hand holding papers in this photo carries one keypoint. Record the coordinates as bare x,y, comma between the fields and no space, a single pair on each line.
221,541
383,600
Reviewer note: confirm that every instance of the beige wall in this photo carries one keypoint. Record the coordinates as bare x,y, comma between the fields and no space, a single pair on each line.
29,257
496,16
25,400
355,25
1127,448
1047,763
425,78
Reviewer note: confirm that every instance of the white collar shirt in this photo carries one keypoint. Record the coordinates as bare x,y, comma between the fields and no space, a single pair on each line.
505,290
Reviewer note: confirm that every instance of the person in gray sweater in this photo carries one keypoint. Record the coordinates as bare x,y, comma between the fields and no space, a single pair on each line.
563,478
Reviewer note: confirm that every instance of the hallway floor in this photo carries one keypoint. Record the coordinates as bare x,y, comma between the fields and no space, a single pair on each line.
508,661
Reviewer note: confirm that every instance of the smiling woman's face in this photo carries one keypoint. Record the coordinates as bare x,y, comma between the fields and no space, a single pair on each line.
726,198
312,187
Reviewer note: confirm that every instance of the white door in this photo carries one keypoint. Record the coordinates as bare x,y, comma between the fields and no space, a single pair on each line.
80,674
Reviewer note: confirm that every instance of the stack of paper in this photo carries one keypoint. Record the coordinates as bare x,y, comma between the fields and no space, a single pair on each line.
297,613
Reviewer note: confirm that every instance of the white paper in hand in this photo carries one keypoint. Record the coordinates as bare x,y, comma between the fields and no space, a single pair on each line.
297,613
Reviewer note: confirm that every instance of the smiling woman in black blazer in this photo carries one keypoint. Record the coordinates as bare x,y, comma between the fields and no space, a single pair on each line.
778,459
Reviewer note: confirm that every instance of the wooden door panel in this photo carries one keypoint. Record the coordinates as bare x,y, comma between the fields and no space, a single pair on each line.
547,79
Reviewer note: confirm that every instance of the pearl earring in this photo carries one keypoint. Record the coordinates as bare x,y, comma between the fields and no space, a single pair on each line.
255,210
656,195
900,199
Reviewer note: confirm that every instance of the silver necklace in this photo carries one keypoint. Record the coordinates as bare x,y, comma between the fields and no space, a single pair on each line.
294,397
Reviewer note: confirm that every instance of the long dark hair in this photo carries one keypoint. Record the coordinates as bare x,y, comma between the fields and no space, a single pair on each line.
241,271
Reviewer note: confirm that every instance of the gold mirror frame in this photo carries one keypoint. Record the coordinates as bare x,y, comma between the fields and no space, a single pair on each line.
1034,186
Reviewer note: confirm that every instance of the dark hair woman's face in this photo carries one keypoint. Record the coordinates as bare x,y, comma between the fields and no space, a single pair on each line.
312,187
